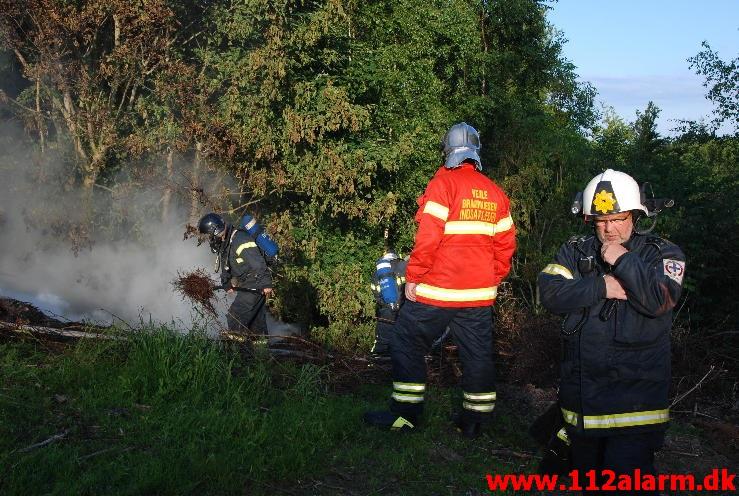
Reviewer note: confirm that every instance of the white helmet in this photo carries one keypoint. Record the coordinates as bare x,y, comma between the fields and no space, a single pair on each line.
611,192
390,255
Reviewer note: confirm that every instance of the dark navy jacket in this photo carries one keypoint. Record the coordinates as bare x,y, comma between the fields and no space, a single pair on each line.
245,265
615,372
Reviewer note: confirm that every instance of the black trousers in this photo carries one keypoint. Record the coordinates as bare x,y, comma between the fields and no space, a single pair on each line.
247,313
384,329
418,326
383,334
621,453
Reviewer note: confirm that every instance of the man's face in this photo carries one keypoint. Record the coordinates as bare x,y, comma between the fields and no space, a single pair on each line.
614,228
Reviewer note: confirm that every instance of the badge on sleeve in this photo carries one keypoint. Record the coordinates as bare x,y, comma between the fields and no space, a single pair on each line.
674,269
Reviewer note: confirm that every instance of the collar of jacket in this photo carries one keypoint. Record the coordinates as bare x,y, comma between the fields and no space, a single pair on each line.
443,170
227,238
635,241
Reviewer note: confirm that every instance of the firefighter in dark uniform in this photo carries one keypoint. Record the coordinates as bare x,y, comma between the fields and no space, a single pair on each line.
243,270
617,290
462,251
388,286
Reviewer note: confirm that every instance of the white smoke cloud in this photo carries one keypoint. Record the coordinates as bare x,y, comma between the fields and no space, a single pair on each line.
129,279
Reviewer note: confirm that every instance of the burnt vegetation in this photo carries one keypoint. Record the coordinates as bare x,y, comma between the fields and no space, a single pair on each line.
198,287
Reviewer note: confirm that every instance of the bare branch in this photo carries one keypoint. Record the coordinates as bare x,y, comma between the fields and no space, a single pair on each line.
53,438
684,395
21,58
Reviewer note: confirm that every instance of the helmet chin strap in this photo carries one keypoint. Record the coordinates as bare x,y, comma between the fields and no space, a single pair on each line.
647,230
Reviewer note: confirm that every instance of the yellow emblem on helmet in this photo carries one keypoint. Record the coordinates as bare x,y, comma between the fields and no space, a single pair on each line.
604,201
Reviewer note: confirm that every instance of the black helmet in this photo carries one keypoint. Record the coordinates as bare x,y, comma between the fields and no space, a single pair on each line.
211,224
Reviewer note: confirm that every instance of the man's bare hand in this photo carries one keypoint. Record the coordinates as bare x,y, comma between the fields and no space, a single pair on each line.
410,291
230,290
614,289
267,291
610,252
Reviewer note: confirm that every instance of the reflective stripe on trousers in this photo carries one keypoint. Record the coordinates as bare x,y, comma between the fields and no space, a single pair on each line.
417,327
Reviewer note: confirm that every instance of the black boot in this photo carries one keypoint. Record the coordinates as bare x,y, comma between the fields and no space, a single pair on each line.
467,428
391,421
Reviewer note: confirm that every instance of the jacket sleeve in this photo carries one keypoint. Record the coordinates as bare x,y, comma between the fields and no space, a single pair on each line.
247,263
563,290
652,286
504,241
433,211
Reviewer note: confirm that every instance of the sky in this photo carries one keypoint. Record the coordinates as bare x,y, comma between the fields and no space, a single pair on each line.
634,51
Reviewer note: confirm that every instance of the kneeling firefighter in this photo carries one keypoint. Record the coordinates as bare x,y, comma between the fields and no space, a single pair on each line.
242,252
616,289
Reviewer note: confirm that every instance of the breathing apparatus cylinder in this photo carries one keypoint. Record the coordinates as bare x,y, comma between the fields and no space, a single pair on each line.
387,283
264,242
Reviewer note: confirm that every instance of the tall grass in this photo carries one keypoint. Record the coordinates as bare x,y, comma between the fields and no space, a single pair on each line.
164,413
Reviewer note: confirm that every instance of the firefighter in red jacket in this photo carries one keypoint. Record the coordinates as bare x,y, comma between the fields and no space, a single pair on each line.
462,251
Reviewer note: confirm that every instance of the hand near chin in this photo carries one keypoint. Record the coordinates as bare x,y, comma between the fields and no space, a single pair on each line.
611,251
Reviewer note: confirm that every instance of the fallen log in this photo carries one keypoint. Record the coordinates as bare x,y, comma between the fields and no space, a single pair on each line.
63,333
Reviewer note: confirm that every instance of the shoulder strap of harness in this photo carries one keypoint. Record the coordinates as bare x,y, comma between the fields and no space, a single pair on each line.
656,241
578,239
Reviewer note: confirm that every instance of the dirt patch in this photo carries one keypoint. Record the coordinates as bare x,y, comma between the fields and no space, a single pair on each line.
528,348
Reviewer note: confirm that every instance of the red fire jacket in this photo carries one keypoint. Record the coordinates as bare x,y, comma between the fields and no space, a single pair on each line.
465,240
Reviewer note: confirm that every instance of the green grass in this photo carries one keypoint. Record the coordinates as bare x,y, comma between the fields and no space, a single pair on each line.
167,414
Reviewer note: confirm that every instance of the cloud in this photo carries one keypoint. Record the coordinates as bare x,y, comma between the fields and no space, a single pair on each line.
677,96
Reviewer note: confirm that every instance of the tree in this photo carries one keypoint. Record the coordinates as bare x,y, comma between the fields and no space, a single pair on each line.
722,81
89,65
327,115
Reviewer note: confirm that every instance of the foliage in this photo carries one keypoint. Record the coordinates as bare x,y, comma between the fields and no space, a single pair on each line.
92,63
722,81
324,118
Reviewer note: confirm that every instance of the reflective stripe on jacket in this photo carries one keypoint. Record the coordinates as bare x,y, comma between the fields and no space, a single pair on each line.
246,263
465,240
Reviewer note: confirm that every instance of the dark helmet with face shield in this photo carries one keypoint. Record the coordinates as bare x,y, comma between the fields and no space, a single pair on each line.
211,224
461,142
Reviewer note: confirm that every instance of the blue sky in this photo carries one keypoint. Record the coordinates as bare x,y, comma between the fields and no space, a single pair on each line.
635,51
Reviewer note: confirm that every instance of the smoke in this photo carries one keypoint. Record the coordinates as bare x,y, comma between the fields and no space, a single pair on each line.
54,258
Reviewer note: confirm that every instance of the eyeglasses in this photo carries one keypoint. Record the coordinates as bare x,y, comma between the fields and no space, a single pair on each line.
616,222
